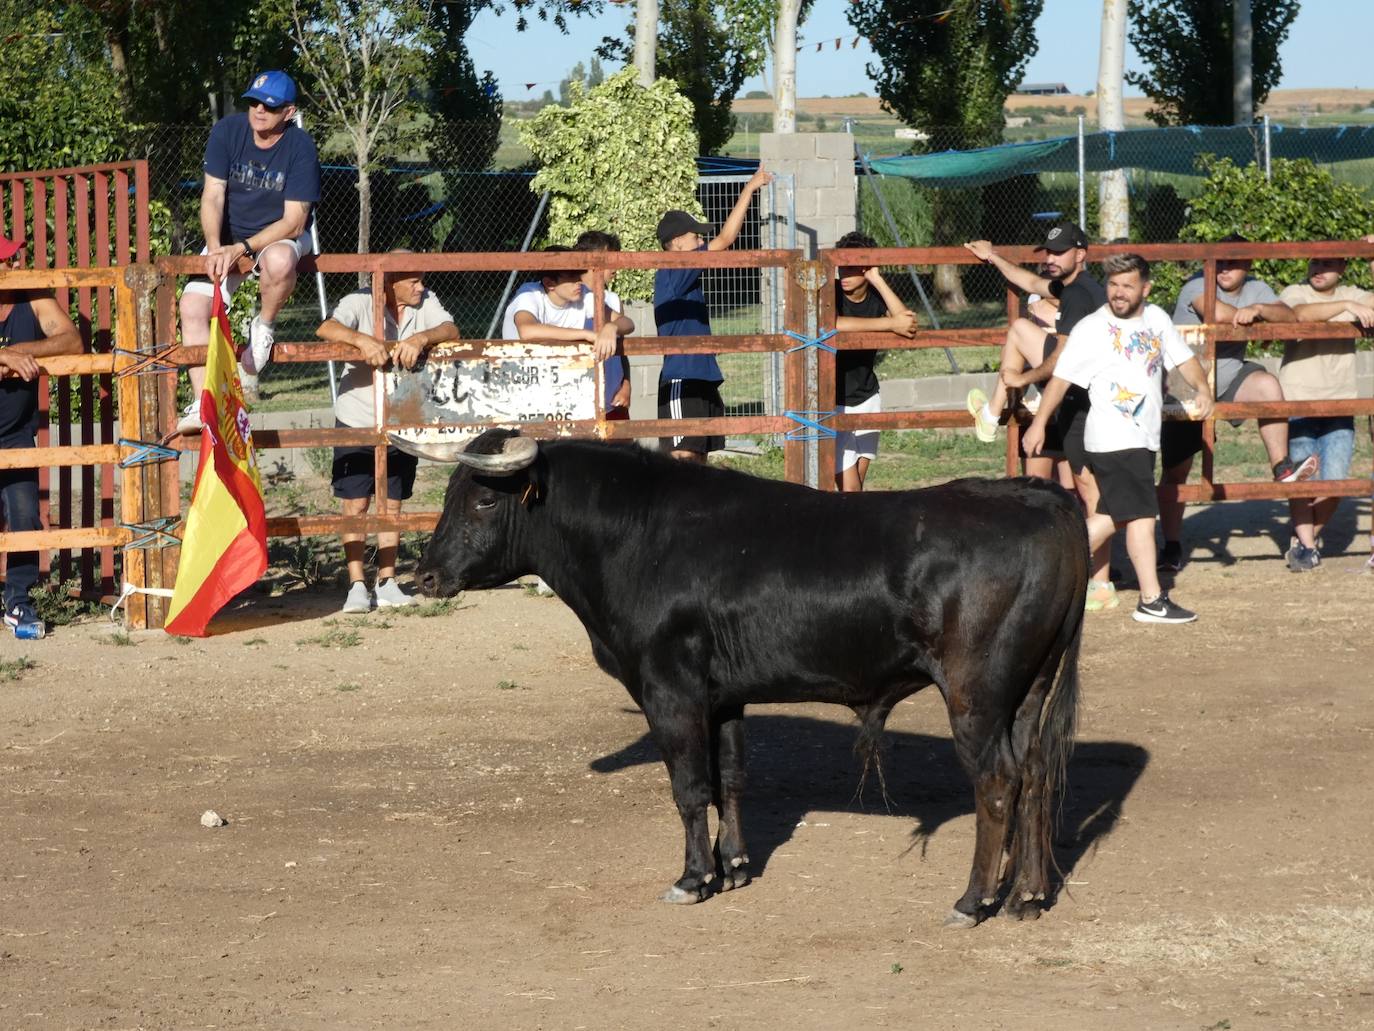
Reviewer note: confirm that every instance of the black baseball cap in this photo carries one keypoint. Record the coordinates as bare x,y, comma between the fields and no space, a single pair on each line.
675,223
1063,236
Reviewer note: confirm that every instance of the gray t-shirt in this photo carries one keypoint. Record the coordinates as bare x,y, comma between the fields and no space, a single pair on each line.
354,406
1230,354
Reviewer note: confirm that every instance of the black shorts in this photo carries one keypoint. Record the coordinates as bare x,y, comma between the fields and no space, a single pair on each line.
1125,483
691,399
1180,440
355,473
1073,418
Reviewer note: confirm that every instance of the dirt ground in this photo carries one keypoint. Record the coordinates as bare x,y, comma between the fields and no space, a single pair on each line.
457,822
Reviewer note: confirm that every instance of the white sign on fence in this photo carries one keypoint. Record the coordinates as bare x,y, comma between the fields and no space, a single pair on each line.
445,398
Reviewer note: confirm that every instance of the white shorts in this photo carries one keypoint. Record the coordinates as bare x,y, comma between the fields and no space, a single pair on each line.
201,285
851,445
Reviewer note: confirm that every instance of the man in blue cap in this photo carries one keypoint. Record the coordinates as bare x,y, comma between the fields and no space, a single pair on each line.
262,176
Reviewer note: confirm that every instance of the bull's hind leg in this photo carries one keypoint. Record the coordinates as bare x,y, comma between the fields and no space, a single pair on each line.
984,749
1028,866
680,728
732,862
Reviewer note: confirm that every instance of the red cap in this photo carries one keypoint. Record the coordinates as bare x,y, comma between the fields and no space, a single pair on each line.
8,248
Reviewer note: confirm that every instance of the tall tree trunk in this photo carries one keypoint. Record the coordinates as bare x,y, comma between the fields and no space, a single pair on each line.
785,67
361,155
1114,208
117,39
1242,45
646,41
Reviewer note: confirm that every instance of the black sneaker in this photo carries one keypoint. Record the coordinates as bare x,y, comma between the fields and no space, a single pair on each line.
1170,557
1287,472
1302,559
1162,610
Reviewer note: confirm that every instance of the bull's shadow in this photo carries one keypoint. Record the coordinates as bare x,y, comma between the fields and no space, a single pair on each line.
797,765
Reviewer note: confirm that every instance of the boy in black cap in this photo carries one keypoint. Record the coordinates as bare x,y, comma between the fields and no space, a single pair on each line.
689,385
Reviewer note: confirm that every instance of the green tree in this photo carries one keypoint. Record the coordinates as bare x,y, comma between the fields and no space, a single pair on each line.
615,159
169,57
55,92
1186,45
362,57
708,47
946,68
465,108
1299,202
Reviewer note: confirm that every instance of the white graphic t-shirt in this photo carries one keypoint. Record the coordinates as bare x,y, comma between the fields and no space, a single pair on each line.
1121,363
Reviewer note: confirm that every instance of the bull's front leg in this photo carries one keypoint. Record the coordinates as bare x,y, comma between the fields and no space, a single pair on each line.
679,722
732,861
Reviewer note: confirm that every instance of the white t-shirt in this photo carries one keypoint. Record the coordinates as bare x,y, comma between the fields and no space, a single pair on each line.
532,298
1121,362
354,406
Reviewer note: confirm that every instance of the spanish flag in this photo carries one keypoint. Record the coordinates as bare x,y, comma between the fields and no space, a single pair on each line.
224,547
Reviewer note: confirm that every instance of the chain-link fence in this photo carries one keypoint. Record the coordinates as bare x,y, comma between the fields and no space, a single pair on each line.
442,200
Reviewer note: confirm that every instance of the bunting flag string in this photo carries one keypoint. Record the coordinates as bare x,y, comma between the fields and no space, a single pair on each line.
839,42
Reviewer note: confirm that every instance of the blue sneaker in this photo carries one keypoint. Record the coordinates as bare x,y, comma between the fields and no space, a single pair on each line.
25,623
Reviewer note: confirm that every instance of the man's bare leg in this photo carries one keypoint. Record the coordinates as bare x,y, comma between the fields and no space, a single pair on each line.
1261,386
1171,512
1024,349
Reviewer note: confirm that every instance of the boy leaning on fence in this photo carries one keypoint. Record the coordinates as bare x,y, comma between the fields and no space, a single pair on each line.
864,304
1118,354
415,321
689,384
1321,370
615,369
1242,300
32,325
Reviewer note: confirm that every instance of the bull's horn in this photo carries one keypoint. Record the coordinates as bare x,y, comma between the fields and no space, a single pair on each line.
516,453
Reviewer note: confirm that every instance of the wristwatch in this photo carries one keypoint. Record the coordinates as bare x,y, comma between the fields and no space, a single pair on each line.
248,251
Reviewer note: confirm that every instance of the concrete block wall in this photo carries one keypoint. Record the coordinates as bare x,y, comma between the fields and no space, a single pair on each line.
826,198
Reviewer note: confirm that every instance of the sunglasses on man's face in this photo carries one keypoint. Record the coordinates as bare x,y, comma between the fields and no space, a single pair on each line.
269,108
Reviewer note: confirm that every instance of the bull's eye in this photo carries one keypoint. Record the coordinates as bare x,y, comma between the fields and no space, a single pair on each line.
485,502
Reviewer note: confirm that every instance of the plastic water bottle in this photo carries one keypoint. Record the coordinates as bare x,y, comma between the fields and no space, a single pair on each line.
29,631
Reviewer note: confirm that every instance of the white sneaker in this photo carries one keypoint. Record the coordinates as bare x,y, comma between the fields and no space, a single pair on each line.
541,588
358,599
261,336
190,419
390,595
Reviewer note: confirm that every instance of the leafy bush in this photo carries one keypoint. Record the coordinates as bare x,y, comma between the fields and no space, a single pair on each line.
1299,202
615,159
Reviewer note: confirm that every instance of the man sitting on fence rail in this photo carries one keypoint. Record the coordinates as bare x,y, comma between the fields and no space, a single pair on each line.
1242,300
1118,355
262,175
416,321
1029,356
1321,370
32,325
689,384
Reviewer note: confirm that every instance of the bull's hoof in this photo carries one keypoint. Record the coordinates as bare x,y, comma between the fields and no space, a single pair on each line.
961,921
732,879
682,897
1022,910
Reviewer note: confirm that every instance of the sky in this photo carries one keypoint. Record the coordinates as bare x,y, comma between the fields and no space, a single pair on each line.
1327,47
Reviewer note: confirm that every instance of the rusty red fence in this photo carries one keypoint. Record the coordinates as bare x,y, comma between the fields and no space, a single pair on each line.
95,216
146,323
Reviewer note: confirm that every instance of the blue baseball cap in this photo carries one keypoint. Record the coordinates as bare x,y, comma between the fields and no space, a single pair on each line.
273,88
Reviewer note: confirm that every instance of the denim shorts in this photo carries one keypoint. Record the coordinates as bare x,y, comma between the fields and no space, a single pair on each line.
1330,437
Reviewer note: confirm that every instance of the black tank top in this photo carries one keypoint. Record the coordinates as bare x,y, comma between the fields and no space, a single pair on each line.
18,399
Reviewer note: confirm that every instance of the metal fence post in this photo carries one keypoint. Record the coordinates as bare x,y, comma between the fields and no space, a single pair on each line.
1268,152
319,284
1082,179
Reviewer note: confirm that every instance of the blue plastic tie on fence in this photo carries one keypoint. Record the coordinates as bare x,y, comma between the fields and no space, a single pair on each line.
806,341
809,428
144,452
152,532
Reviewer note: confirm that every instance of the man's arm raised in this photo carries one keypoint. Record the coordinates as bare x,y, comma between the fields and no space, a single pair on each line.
1021,278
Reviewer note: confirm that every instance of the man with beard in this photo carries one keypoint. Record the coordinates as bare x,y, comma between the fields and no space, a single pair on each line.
1029,356
1118,354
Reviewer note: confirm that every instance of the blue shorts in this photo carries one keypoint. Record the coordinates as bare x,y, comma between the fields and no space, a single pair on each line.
1330,437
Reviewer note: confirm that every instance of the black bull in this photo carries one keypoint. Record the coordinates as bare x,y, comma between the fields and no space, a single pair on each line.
705,590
